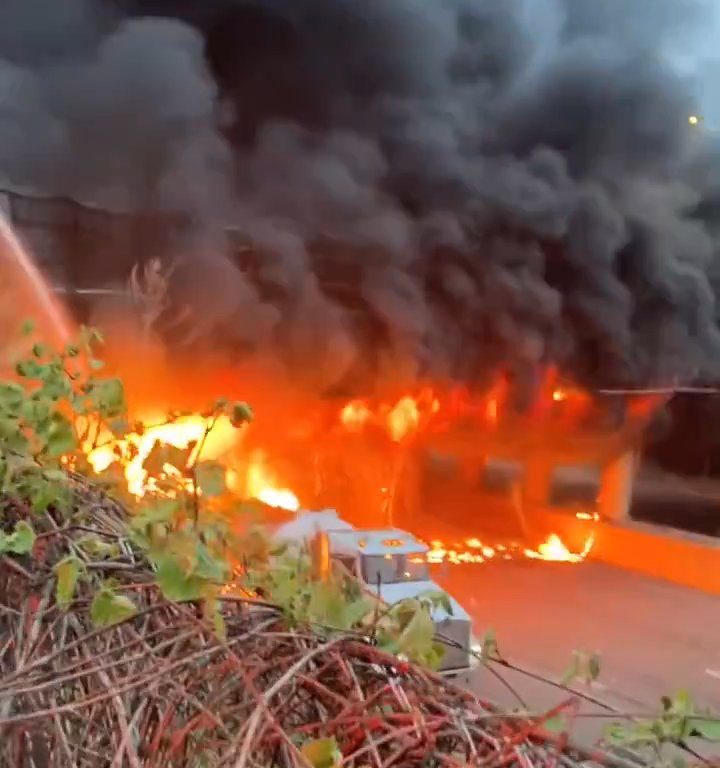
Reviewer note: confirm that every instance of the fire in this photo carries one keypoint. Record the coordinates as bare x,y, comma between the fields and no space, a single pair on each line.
399,419
553,550
190,432
261,484
475,551
403,418
355,414
183,433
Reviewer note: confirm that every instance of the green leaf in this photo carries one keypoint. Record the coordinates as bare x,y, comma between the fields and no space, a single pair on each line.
322,753
67,572
108,609
240,414
12,397
98,549
209,567
556,724
218,620
706,728
119,427
682,704
439,599
20,541
356,611
489,646
585,668
285,585
155,511
176,584
90,336
634,735
327,605
162,454
28,328
210,478
61,437
108,397
416,640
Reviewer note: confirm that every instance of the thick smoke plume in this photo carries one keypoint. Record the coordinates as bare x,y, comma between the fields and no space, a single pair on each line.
435,187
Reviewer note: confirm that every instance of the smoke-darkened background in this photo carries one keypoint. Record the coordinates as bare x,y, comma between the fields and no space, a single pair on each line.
431,188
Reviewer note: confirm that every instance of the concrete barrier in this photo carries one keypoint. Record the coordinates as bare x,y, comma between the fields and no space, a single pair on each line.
688,559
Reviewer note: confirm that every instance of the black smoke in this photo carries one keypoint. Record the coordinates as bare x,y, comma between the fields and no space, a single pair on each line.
431,188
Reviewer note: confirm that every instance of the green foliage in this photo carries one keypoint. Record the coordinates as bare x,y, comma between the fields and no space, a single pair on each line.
322,753
177,581
210,478
489,649
407,629
60,407
55,405
584,668
20,541
556,724
678,721
109,608
67,572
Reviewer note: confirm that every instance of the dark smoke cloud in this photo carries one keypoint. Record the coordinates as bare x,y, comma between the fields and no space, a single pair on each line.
436,186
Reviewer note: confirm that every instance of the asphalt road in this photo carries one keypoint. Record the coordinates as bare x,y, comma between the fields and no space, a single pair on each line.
654,638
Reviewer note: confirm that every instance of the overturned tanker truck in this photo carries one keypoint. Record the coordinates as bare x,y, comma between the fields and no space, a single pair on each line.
391,566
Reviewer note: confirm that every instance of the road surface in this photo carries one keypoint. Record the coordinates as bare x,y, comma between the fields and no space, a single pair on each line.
654,638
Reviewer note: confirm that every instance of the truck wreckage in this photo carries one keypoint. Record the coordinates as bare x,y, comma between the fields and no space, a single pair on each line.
390,565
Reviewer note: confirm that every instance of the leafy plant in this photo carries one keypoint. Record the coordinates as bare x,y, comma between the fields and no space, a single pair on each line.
57,411
584,668
20,541
678,721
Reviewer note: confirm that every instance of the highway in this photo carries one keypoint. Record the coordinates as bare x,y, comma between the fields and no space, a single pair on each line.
654,638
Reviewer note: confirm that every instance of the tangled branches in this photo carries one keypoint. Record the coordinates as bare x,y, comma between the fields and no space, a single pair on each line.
162,690
161,687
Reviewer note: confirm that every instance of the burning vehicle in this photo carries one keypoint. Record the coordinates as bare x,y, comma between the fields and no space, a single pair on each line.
391,565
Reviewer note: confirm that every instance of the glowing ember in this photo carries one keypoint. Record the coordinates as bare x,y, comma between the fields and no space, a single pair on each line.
554,551
134,449
475,551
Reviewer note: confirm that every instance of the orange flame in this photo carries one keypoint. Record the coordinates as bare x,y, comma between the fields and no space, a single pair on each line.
553,550
355,414
399,420
261,485
132,451
190,432
403,418
473,550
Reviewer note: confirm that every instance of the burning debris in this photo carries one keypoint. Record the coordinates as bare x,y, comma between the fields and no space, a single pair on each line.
473,551
250,473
